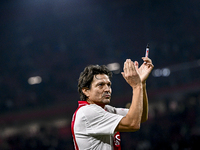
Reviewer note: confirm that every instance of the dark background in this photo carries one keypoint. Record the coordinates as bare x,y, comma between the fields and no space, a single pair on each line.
56,39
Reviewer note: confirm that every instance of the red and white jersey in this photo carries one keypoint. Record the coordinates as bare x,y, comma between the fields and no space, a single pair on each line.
93,127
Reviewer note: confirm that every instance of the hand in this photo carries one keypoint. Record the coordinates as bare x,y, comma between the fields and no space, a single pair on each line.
130,73
145,69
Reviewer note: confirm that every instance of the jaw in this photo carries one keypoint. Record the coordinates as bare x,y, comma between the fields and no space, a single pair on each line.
103,102
106,101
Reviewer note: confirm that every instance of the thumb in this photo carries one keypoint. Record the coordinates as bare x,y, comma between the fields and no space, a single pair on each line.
123,74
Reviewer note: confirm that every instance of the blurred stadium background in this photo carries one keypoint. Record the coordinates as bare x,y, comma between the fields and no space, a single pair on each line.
45,44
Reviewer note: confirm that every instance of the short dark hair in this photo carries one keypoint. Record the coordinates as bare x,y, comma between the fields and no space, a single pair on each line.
87,75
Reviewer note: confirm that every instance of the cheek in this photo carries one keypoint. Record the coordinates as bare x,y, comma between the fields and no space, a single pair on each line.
96,94
99,94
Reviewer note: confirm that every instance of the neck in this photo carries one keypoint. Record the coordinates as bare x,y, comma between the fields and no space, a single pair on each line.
101,105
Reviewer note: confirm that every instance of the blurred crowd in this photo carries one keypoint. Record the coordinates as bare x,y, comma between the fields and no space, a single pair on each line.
46,138
172,125
39,41
57,46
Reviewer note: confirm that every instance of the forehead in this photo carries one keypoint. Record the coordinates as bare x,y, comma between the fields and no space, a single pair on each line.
100,78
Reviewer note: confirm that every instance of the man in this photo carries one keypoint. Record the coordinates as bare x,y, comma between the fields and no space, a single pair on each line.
95,124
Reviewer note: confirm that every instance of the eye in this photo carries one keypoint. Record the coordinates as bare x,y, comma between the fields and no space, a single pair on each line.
109,84
100,84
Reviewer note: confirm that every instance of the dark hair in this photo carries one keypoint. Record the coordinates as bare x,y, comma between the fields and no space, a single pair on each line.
87,75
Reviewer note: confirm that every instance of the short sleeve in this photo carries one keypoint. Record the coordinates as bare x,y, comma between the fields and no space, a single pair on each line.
100,121
122,111
119,111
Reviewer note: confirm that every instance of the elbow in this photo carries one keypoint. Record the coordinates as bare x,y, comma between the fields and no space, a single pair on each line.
135,126
125,125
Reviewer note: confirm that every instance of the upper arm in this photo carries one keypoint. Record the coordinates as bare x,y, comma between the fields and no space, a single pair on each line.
125,126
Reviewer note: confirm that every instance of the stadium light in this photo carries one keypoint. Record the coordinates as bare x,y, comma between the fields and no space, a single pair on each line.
35,80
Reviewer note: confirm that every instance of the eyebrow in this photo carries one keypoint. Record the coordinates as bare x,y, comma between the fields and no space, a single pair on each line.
102,82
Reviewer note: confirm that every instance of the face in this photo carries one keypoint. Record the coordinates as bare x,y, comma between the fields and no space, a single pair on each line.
100,90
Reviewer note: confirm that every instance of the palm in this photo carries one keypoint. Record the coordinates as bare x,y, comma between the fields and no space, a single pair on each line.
144,70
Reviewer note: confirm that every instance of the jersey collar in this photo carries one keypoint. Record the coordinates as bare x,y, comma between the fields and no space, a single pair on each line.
83,103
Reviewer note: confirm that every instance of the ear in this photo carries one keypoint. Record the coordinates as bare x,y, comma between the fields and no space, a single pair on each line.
86,91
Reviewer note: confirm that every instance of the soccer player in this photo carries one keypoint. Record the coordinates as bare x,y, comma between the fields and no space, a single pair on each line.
95,124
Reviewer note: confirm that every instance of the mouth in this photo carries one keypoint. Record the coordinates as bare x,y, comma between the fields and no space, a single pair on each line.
107,96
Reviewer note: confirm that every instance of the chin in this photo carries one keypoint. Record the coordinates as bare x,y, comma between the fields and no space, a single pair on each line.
106,101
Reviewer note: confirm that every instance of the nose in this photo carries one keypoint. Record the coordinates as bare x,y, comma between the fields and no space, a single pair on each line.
108,88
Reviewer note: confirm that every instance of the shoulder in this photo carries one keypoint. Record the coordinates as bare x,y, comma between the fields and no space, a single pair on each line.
91,108
91,111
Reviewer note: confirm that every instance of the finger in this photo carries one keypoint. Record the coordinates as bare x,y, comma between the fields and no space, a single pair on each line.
149,65
132,66
146,59
125,66
136,64
122,74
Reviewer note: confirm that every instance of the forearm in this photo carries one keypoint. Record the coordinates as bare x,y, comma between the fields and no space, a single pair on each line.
133,118
145,104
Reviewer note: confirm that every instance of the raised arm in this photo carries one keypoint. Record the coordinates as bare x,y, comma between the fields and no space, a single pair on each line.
145,104
138,111
132,120
144,70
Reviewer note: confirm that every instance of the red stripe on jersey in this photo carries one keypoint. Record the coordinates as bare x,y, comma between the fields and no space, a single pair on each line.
116,140
81,103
